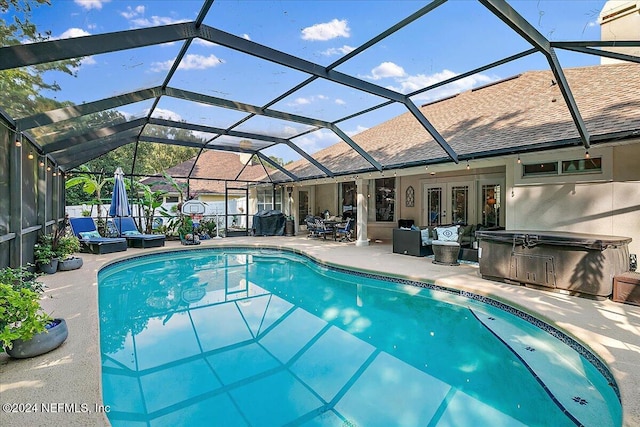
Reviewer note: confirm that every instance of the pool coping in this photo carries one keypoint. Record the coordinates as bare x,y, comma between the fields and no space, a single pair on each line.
77,362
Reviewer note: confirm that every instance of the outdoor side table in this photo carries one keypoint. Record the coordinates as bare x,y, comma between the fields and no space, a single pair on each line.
445,253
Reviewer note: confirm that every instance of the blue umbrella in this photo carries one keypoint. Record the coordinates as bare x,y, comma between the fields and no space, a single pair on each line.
119,201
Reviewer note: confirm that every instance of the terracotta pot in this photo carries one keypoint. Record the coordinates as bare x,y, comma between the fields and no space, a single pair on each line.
40,343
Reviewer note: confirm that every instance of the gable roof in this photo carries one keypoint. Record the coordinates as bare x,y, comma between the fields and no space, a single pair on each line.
523,113
228,166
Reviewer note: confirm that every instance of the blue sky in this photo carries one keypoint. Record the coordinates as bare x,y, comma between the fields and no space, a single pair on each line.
454,38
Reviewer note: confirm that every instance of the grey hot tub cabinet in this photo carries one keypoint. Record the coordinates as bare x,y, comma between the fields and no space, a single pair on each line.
574,262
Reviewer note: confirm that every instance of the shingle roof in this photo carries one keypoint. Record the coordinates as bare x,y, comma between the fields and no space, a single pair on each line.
522,113
228,166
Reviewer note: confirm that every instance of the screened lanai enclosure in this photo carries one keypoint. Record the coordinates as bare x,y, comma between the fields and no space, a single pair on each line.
274,81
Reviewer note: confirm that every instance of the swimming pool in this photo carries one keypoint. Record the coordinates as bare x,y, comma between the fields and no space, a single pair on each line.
235,336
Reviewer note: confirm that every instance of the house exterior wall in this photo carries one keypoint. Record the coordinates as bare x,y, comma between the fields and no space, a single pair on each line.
607,204
620,20
326,197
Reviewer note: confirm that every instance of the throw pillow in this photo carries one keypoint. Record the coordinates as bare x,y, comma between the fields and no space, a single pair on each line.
425,237
131,233
447,234
415,228
90,235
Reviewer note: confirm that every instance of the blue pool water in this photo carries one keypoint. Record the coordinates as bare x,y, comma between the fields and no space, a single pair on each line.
248,337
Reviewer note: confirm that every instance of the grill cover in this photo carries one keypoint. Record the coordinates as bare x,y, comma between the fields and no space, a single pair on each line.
268,223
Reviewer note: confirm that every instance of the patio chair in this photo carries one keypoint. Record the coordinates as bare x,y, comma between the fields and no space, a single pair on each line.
323,229
344,231
312,228
127,228
91,241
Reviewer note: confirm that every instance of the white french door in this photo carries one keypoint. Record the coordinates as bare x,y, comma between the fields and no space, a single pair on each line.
449,203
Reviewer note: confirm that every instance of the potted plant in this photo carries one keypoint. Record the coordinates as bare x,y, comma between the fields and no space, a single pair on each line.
45,255
67,246
25,330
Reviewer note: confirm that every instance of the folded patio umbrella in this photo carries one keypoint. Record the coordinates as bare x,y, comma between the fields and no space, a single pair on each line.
119,200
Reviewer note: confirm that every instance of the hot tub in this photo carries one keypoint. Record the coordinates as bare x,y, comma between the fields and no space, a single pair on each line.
582,264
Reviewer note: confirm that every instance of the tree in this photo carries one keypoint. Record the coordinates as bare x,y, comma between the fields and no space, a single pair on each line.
21,87
92,185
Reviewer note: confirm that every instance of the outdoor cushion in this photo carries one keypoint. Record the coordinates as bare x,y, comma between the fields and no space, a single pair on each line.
131,233
425,236
90,235
447,234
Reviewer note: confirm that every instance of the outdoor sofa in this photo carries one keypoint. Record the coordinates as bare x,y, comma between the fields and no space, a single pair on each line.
417,241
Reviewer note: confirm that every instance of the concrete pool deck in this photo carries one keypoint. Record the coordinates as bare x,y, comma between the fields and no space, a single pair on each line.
69,377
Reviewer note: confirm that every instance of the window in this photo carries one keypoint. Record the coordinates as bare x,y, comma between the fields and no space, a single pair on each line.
490,205
171,199
349,199
534,169
264,197
582,165
385,191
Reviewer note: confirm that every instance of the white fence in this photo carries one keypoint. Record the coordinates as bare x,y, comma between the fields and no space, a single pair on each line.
235,218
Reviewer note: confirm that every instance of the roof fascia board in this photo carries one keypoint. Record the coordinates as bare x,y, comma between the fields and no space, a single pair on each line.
67,113
272,55
104,132
277,166
605,53
77,47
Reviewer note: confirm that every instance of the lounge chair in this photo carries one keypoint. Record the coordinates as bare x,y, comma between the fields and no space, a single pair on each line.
90,240
127,228
344,231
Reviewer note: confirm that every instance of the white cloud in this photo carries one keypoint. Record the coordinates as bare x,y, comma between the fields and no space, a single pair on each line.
332,51
91,4
308,100
155,21
246,36
73,32
340,101
412,83
132,12
160,113
301,101
386,70
189,62
316,141
326,31
357,130
205,43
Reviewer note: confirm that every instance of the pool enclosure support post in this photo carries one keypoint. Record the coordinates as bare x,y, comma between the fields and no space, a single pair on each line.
362,188
217,226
